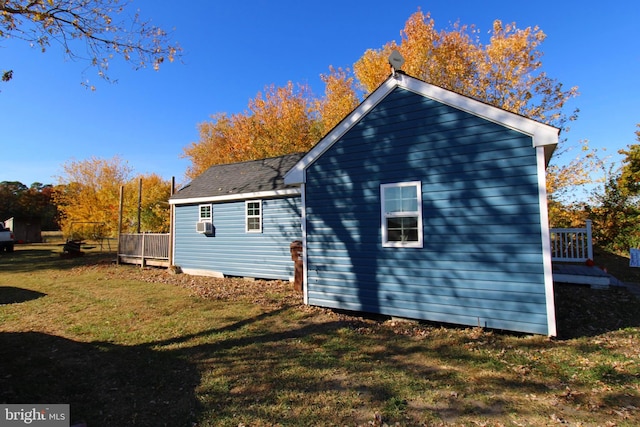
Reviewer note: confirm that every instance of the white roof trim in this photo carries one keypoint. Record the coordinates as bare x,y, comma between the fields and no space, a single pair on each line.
296,174
243,196
542,134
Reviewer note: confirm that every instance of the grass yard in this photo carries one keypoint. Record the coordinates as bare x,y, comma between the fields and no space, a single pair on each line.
131,347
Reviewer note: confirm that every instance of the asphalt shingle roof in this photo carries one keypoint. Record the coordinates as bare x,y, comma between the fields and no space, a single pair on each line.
240,178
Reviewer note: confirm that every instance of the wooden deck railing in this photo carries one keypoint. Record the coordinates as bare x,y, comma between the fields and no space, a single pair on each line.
571,244
144,249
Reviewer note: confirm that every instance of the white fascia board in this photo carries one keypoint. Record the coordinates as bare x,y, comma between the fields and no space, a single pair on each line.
542,134
296,175
289,192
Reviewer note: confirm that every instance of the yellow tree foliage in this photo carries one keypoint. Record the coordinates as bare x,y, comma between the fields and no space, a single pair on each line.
281,121
339,100
565,210
629,180
215,145
154,204
373,68
89,192
88,199
505,73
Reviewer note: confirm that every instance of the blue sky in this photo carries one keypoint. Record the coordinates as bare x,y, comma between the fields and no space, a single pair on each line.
232,50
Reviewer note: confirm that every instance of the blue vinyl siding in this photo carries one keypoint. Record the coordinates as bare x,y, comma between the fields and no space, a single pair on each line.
482,260
234,252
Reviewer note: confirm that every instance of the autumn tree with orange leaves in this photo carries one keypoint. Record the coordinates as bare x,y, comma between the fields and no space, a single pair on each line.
339,98
283,120
505,72
278,122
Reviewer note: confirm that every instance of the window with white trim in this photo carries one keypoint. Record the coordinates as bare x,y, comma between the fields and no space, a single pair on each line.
401,213
205,213
253,212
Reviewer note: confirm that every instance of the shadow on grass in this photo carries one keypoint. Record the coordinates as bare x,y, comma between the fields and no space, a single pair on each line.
254,372
260,371
31,257
13,295
105,384
115,385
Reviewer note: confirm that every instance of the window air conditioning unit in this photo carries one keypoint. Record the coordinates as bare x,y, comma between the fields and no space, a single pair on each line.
204,227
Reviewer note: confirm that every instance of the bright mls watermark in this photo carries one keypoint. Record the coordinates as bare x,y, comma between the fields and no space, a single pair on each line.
34,415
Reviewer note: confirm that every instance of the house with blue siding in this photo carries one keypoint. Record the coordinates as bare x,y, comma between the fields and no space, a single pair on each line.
238,220
425,204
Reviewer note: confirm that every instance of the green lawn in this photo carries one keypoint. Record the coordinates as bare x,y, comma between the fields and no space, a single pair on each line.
125,346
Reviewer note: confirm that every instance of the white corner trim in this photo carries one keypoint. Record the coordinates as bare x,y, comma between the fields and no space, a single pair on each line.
303,228
546,243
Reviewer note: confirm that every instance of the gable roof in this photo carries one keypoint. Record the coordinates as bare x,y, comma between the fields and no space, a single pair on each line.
243,180
542,134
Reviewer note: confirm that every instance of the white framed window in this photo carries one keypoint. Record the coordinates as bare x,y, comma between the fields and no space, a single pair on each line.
401,213
205,213
253,216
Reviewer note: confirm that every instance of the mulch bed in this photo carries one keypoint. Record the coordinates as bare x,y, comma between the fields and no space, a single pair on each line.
580,310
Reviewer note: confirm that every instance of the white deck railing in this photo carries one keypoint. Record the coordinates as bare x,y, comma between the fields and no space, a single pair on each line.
571,244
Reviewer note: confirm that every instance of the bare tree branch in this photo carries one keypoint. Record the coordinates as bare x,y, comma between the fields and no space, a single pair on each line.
105,27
